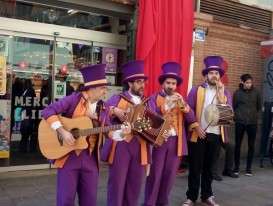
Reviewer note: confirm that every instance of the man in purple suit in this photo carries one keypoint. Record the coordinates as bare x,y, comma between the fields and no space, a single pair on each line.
78,171
166,158
206,140
126,157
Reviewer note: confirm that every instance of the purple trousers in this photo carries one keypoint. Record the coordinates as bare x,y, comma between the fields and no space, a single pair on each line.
79,175
163,170
125,175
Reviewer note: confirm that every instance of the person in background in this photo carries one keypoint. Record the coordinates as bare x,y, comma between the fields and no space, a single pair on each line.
246,103
69,88
228,165
166,158
79,87
271,133
28,118
17,91
17,119
127,157
63,78
78,171
206,140
45,95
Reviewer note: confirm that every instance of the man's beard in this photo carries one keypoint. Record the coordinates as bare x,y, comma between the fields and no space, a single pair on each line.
137,92
169,91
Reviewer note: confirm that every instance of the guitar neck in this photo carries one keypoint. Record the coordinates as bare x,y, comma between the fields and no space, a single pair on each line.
96,130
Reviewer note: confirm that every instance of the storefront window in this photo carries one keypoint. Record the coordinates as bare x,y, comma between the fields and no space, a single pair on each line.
5,98
59,16
36,79
69,59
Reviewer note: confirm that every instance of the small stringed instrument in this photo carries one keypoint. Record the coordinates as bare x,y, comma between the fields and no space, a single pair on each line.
53,146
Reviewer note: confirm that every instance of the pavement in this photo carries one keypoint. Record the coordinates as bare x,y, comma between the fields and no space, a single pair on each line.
38,187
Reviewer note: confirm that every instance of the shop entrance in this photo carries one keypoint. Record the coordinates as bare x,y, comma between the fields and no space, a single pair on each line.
38,72
44,70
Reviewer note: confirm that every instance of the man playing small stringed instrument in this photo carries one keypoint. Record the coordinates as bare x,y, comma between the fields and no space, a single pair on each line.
166,159
127,159
78,171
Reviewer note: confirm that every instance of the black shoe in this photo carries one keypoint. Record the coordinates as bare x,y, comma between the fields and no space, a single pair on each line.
236,171
248,172
217,177
229,173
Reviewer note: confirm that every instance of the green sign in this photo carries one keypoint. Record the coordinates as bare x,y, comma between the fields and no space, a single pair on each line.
2,45
60,90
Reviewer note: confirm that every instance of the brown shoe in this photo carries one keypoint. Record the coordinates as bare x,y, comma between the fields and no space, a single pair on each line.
209,202
188,203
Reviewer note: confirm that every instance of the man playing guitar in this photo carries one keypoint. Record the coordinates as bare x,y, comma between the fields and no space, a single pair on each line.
78,171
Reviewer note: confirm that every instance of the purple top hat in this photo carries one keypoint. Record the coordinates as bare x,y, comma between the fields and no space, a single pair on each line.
213,63
133,70
94,76
171,70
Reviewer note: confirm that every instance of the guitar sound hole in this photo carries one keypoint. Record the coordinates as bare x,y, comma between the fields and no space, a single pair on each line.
75,132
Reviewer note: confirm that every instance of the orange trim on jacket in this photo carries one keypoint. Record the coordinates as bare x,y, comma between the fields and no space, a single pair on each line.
160,102
200,98
124,105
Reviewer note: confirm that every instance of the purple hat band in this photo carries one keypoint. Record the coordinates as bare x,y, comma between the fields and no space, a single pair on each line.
213,63
171,70
134,77
133,70
94,76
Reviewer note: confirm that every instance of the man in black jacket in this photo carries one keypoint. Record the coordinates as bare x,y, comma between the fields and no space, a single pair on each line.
246,104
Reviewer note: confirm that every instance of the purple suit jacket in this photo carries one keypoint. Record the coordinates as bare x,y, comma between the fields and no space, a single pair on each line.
189,117
67,105
107,147
192,101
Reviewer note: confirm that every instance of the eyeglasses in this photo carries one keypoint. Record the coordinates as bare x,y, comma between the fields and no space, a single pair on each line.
140,82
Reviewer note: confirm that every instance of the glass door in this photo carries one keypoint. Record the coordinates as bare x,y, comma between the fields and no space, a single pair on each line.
32,66
44,70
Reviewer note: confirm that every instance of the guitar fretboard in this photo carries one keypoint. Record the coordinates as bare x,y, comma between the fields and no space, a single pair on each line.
96,130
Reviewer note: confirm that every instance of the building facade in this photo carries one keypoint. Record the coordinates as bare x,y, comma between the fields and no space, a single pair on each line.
234,30
48,41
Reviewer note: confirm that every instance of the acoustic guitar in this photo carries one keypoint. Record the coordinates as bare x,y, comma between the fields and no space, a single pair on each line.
53,146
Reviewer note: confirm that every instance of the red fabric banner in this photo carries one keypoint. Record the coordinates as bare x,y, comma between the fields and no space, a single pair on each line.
165,30
267,48
224,78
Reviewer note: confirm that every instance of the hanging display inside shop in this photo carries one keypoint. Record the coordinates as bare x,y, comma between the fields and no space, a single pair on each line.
3,75
5,128
109,57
